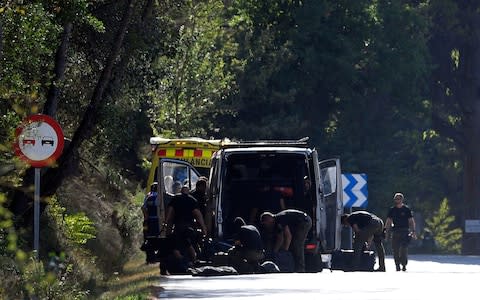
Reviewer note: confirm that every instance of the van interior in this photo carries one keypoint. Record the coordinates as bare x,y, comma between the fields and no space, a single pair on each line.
261,181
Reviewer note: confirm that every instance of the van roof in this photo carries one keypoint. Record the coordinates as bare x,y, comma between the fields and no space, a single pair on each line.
157,140
272,144
280,149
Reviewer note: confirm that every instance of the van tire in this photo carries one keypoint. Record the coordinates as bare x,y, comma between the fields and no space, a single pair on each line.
313,263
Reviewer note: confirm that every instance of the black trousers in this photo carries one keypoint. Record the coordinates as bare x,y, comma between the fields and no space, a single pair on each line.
400,241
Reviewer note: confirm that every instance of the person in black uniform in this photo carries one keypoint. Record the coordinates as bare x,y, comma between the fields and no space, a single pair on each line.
367,227
200,194
247,253
183,215
400,221
150,219
291,227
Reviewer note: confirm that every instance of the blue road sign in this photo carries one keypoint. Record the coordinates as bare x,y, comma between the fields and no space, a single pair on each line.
355,192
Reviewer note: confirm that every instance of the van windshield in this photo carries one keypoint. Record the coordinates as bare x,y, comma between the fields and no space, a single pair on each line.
264,181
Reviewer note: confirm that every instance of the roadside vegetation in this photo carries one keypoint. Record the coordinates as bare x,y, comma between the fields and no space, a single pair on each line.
385,85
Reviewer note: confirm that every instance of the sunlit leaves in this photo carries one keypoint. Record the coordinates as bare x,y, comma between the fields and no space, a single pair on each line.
440,224
77,228
197,76
455,55
28,43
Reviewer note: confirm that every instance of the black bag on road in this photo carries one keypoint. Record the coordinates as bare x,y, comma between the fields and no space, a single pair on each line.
343,260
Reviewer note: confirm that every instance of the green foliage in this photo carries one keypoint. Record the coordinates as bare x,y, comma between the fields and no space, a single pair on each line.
29,41
31,279
9,270
76,228
79,228
7,240
10,286
352,75
129,221
132,297
196,71
440,224
43,284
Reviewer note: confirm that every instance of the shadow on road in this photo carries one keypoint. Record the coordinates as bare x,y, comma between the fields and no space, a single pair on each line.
446,259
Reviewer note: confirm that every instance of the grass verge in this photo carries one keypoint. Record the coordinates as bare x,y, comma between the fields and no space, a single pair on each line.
138,281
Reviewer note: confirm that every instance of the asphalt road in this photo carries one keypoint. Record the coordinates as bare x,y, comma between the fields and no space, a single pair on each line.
427,277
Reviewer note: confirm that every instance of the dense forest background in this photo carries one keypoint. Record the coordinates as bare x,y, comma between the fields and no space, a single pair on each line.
390,87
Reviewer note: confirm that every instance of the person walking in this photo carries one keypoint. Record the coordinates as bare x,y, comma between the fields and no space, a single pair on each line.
292,227
367,227
400,221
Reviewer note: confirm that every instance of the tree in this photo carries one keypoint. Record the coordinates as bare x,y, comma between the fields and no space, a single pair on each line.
455,50
89,119
440,225
195,69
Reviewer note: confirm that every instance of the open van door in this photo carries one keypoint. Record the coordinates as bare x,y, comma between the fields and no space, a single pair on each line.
172,175
331,190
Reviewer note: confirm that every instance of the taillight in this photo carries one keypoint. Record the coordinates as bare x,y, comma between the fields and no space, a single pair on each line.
310,246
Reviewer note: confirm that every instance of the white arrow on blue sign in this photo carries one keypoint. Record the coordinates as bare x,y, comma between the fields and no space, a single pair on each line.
355,192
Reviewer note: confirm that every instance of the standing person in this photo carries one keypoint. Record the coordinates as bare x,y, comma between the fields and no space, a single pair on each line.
182,216
401,217
200,194
149,207
367,227
150,221
292,227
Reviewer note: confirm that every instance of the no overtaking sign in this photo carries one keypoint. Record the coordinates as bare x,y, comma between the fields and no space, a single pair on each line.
39,140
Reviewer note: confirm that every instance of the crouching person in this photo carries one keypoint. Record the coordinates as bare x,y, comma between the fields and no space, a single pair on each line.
247,253
367,227
288,230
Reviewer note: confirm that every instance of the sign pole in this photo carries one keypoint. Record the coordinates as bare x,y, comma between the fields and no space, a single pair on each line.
39,141
36,213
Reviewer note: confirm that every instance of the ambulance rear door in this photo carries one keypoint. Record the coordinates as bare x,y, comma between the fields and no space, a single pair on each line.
172,174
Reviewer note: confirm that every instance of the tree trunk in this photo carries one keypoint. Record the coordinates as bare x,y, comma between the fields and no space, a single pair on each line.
50,107
1,40
470,98
55,176
471,190
456,92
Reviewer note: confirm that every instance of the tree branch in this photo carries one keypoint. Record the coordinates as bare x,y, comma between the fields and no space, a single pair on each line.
50,107
55,176
1,40
448,130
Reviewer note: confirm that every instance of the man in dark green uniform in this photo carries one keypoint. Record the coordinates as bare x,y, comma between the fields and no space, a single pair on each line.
400,221
291,227
367,227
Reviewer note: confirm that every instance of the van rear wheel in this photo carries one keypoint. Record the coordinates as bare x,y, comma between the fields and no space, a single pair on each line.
313,262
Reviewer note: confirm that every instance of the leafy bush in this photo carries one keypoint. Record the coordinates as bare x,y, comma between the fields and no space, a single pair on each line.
77,228
48,284
448,239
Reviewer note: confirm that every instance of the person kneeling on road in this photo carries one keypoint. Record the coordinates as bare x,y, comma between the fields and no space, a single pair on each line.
367,227
247,253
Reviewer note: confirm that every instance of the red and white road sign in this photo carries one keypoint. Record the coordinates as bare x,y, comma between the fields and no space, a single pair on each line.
39,140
